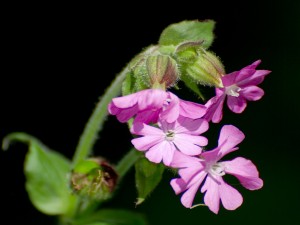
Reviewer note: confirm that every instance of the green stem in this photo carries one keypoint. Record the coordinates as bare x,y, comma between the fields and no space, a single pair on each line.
127,162
95,122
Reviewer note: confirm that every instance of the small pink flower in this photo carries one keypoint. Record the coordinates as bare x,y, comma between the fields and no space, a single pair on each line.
151,104
194,171
161,143
239,87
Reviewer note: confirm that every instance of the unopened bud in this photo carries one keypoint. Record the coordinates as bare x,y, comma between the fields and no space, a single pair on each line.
162,70
201,65
94,178
153,68
138,69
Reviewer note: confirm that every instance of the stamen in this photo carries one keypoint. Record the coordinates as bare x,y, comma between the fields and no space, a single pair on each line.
233,90
217,169
170,135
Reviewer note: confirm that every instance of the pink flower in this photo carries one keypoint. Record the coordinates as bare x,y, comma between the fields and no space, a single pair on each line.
194,171
151,104
239,87
161,143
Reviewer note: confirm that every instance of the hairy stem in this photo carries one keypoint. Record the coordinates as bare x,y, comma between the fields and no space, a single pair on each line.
127,162
95,122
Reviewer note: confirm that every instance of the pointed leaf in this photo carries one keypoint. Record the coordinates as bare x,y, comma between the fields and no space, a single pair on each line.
46,176
188,31
147,177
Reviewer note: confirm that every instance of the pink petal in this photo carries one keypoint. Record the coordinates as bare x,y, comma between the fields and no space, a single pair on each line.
185,143
229,79
230,136
230,197
168,153
146,142
214,111
187,140
211,156
188,174
181,160
251,183
241,166
147,116
191,126
219,91
236,104
144,129
162,151
256,78
254,64
123,115
170,112
112,109
178,185
252,93
188,197
165,126
245,171
191,109
155,154
126,101
212,197
151,98
248,71
244,75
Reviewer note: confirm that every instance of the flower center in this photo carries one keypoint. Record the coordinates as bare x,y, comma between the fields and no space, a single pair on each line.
233,90
170,135
216,169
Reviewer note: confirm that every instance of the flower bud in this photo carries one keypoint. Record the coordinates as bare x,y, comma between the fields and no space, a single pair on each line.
94,178
201,65
154,68
138,69
162,70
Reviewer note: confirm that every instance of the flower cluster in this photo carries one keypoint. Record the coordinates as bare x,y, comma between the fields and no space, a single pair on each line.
170,130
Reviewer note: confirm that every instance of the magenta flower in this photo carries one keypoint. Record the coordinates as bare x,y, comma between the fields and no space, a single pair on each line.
151,104
194,171
161,143
239,87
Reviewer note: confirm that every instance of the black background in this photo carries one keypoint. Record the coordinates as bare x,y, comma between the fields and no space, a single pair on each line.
58,59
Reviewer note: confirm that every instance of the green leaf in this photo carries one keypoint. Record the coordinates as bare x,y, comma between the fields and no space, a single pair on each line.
147,177
112,217
191,84
46,174
187,31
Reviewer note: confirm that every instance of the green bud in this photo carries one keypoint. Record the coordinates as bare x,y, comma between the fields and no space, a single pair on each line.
162,71
188,51
152,68
138,69
94,178
201,65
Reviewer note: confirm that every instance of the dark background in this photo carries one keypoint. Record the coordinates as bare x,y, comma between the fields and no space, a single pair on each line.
58,59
